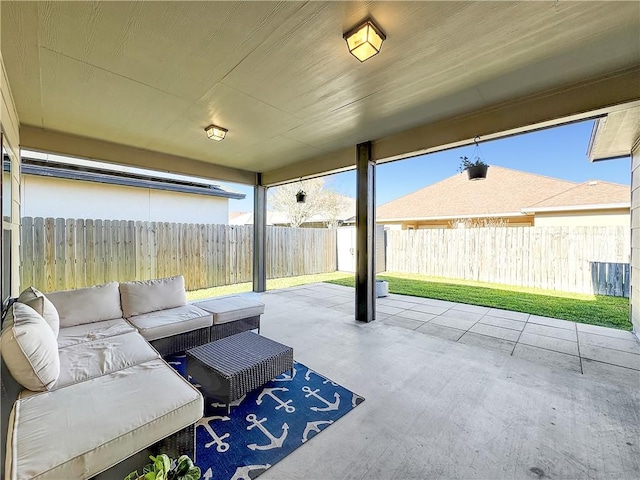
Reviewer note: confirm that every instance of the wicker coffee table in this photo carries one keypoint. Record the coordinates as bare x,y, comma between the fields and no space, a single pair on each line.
233,366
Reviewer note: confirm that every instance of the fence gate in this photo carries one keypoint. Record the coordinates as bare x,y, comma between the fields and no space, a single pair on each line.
347,249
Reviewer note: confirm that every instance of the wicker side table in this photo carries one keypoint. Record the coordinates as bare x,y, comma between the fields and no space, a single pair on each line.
230,367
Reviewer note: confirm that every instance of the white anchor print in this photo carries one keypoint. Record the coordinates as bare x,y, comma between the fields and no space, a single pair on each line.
276,442
174,363
307,377
313,427
235,403
190,378
208,475
269,391
287,376
242,473
218,441
329,406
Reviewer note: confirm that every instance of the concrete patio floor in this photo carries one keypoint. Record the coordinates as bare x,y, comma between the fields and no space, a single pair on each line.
467,409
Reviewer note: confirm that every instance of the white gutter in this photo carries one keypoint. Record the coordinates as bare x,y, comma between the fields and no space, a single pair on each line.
451,217
570,208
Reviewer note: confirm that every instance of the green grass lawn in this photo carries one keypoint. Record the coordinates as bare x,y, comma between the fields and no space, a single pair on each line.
592,309
271,285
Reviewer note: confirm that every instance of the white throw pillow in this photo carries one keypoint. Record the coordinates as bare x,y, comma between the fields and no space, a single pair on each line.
30,349
152,295
41,304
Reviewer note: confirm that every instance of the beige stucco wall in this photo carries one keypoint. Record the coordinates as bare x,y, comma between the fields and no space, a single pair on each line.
62,198
9,126
587,218
634,296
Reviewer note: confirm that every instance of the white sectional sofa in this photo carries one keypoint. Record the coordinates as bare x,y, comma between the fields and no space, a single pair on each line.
84,388
85,391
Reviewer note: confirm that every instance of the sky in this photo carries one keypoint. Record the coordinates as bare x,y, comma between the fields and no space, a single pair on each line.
559,152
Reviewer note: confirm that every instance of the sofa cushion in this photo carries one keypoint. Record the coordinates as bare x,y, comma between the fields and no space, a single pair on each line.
228,309
89,332
86,305
110,417
30,350
172,321
41,304
152,295
84,361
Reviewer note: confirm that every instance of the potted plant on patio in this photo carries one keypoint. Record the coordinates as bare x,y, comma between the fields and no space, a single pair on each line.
476,169
163,468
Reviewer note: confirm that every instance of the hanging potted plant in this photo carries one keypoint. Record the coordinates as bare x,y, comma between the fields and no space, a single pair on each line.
301,196
476,169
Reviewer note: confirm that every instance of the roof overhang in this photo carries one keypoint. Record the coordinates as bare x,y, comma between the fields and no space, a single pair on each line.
614,135
592,98
48,141
578,208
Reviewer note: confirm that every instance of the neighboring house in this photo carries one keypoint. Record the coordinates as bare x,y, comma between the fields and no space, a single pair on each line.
593,203
62,190
279,219
510,198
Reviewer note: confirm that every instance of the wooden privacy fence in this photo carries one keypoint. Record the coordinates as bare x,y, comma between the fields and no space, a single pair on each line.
62,253
556,258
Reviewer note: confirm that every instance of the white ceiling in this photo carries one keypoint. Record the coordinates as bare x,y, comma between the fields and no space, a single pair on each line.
278,75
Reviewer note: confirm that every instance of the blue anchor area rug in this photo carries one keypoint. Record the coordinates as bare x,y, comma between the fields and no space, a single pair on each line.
267,424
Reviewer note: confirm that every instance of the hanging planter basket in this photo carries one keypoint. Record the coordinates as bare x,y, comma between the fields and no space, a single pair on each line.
476,168
301,196
477,172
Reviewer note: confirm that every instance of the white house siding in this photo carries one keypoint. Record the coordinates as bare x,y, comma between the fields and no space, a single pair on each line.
63,198
591,218
9,126
634,296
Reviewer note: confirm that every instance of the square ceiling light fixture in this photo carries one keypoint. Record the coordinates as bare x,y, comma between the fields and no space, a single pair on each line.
365,40
216,133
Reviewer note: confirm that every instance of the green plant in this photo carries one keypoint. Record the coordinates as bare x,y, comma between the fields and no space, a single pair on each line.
465,163
163,468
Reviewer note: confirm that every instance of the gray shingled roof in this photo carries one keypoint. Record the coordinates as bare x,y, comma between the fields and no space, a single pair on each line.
73,172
